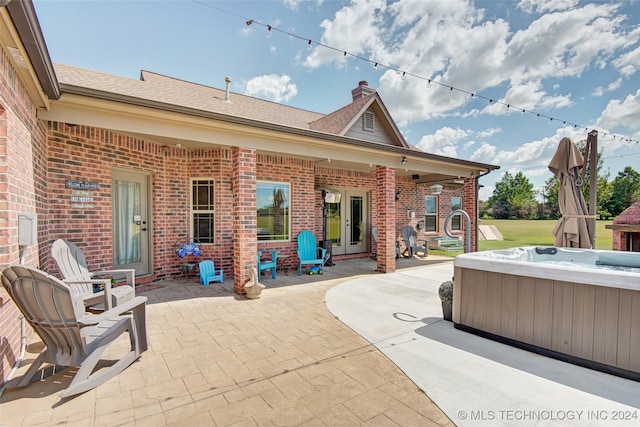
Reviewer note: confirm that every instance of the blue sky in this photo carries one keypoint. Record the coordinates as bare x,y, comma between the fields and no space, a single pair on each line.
575,61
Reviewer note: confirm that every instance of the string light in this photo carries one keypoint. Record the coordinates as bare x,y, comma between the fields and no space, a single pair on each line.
405,73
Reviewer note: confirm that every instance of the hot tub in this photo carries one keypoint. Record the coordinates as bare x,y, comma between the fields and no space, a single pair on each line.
577,305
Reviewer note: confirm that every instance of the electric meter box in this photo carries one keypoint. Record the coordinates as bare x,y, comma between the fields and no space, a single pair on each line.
27,230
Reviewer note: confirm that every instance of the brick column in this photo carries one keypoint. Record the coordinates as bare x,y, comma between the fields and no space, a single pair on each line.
386,221
245,239
470,206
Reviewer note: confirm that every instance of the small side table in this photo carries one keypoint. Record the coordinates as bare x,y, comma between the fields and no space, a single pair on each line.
282,259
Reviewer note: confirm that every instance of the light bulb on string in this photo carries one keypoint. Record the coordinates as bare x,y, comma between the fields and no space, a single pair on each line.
310,43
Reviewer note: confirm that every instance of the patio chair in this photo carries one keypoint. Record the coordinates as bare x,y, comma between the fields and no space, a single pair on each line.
410,237
308,251
268,264
374,233
72,264
71,336
209,273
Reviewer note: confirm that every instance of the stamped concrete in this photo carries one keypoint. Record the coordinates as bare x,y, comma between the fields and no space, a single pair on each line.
219,359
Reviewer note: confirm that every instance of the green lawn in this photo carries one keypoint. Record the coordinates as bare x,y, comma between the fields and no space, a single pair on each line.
534,232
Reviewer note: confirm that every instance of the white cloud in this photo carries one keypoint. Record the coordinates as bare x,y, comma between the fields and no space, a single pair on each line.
293,4
485,153
624,113
277,88
445,141
453,44
537,6
488,132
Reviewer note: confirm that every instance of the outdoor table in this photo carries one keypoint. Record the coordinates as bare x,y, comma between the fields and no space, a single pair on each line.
281,259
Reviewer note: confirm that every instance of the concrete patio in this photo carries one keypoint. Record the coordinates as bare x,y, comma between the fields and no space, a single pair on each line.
219,359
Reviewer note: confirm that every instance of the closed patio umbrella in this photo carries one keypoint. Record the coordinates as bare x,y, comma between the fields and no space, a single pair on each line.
570,230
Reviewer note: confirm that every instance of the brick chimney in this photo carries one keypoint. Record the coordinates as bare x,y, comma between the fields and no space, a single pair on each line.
362,91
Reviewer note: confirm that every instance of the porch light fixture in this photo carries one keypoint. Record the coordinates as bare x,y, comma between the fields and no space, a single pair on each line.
404,160
436,189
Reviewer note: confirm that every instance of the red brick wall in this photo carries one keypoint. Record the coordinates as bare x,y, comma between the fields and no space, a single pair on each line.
22,175
412,197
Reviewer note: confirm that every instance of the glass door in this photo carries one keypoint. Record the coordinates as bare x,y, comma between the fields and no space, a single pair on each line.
356,224
131,225
347,222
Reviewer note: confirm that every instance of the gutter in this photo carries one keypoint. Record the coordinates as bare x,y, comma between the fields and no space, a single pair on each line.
126,99
26,22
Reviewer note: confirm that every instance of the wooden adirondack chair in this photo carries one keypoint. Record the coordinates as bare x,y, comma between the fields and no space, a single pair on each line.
410,237
73,337
72,264
209,273
268,264
308,251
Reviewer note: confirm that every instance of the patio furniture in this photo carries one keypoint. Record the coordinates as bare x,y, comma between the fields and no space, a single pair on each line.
410,237
209,273
374,233
308,251
282,263
72,264
72,337
268,264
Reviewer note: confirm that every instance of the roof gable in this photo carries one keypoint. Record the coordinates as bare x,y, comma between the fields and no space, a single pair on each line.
347,121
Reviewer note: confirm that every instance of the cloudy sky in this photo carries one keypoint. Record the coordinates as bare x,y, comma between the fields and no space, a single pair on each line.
535,68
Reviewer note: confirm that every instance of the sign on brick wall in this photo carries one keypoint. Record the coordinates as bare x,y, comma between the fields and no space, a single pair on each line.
81,197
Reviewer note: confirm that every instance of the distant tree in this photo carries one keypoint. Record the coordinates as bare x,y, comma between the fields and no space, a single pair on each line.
513,197
625,190
550,198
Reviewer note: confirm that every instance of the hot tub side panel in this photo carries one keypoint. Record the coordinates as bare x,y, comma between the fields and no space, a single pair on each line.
595,326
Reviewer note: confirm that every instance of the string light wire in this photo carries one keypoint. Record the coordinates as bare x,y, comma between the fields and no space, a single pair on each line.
377,65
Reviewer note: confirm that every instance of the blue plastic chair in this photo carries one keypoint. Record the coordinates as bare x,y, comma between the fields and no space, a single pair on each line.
308,251
266,264
208,273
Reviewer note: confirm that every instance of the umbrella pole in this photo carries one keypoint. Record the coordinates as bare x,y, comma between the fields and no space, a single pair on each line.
592,143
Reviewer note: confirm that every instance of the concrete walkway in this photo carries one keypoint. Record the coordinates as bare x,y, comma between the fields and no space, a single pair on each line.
473,380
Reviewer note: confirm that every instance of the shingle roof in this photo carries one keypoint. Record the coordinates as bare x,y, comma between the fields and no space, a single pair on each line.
336,122
160,88
630,216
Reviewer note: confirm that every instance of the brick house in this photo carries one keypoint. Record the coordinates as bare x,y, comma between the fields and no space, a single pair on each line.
128,169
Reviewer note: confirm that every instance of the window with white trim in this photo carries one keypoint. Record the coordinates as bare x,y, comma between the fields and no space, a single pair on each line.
431,217
274,219
202,211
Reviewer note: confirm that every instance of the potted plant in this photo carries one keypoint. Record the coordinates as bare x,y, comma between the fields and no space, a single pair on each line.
445,291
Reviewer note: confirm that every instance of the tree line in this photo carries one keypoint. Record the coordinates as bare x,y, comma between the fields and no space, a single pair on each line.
514,197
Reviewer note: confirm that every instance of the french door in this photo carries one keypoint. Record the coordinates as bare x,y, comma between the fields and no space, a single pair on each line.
131,221
348,222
